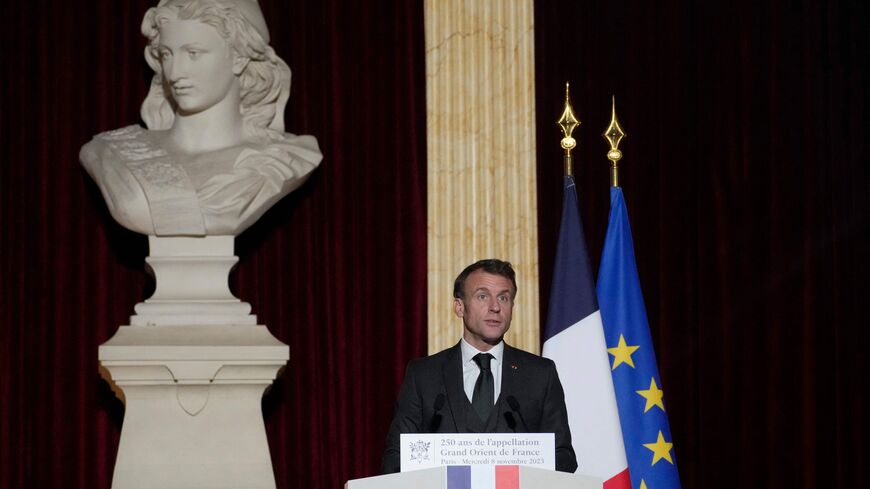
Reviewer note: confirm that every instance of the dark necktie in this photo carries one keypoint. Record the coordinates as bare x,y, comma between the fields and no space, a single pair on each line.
483,397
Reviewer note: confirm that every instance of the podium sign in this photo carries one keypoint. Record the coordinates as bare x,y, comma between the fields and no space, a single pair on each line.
427,450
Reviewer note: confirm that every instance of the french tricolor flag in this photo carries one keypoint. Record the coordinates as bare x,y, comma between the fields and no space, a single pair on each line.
483,477
574,339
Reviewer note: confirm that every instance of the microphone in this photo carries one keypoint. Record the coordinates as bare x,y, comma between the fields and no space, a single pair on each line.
440,399
512,423
515,407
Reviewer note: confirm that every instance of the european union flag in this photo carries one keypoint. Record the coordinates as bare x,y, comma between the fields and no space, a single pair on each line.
639,394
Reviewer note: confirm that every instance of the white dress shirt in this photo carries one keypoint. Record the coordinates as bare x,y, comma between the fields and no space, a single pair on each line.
470,370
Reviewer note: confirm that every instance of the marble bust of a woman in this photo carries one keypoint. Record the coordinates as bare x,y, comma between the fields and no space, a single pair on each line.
215,155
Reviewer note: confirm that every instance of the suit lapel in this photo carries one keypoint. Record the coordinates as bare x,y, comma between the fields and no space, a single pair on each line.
496,423
509,370
452,378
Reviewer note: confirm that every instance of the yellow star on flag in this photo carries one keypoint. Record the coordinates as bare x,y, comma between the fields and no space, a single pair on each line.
653,396
661,449
622,353
642,484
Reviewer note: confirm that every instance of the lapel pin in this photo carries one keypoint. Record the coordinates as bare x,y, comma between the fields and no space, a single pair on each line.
514,367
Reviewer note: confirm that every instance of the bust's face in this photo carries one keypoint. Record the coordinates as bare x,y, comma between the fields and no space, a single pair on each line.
197,65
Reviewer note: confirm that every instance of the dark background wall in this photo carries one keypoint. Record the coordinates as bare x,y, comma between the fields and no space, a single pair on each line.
746,178
745,173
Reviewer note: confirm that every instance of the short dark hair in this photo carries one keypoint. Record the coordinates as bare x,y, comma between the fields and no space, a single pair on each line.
490,265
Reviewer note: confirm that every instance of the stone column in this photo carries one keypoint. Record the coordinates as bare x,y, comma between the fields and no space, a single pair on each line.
480,114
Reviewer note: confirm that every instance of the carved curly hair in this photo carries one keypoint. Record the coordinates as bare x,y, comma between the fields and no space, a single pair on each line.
265,81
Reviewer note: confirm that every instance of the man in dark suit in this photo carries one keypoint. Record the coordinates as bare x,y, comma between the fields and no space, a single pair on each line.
482,385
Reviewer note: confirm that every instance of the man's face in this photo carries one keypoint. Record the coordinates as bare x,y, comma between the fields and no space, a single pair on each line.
485,308
197,63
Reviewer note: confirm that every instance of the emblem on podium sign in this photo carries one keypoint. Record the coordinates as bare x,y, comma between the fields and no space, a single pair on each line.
421,451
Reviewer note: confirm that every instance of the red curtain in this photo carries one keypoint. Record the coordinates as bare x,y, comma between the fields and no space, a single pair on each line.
337,270
746,178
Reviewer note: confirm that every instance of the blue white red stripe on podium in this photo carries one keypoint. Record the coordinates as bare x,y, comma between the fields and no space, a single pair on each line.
483,477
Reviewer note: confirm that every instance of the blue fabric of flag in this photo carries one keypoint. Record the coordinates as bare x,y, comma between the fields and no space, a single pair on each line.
645,428
571,272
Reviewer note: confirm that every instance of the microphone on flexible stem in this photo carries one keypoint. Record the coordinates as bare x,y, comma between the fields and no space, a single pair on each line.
440,399
515,407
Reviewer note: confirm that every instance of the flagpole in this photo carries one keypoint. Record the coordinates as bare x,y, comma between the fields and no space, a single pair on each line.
614,134
568,122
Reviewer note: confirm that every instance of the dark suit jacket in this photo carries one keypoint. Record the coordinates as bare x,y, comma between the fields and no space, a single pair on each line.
432,400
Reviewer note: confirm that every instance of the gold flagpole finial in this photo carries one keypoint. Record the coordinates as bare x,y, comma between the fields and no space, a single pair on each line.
568,122
614,134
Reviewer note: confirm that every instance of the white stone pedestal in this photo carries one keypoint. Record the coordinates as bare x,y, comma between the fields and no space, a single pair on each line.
192,286
191,369
193,405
